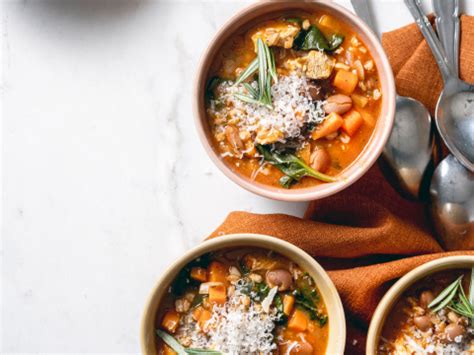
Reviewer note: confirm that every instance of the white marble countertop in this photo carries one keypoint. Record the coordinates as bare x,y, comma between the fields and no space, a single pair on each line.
104,179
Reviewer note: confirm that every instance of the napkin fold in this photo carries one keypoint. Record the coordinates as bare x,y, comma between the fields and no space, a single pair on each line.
368,236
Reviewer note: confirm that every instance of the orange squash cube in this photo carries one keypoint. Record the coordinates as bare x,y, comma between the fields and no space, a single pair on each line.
217,294
197,313
217,272
352,122
331,124
298,321
168,351
199,274
171,321
345,81
288,303
203,319
359,100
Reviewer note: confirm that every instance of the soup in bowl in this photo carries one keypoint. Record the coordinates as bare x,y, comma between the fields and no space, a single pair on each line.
428,311
295,100
244,294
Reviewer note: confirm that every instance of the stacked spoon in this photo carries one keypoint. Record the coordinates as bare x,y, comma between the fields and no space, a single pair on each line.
408,155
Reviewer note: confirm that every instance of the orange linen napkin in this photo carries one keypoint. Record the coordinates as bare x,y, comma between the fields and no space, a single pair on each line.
368,236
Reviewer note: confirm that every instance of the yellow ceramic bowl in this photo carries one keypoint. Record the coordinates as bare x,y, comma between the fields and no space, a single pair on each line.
391,297
337,324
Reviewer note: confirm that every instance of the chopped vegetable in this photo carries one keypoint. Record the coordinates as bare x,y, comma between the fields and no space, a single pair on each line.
331,124
217,272
298,321
352,122
288,303
199,274
346,81
171,321
360,100
217,294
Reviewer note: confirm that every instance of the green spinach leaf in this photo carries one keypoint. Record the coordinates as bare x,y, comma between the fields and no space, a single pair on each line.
290,165
313,38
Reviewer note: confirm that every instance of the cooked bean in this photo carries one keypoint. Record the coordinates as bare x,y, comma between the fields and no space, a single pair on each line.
426,298
423,323
338,103
454,330
320,160
279,277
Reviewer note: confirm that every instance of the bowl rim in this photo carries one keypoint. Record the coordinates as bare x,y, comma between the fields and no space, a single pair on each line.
366,158
398,288
337,330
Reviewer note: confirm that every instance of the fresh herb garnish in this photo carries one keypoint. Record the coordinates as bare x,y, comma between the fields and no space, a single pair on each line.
454,298
249,71
265,65
181,350
282,318
313,38
293,167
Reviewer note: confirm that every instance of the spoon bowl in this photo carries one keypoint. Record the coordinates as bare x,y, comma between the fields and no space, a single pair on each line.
455,109
408,151
455,120
452,207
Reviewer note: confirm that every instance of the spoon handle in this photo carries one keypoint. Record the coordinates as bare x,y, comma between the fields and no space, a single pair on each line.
430,36
362,9
447,26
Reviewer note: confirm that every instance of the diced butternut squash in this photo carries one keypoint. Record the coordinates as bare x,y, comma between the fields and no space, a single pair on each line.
329,22
330,125
345,81
217,294
199,274
288,303
352,122
197,313
203,319
171,321
360,100
217,272
168,351
298,321
369,118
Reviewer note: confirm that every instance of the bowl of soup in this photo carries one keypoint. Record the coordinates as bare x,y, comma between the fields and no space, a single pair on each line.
294,100
428,311
244,294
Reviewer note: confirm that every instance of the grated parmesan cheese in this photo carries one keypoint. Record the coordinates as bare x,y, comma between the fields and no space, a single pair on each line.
234,328
293,109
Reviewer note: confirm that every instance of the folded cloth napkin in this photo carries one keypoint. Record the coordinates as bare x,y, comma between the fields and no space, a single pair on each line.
368,236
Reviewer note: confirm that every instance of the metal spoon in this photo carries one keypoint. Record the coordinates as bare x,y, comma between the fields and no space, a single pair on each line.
407,153
452,186
455,107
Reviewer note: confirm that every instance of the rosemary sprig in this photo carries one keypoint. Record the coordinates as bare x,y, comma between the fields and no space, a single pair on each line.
266,67
249,71
181,350
454,298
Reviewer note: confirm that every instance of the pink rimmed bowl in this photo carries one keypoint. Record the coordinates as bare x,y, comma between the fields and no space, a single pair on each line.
382,129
